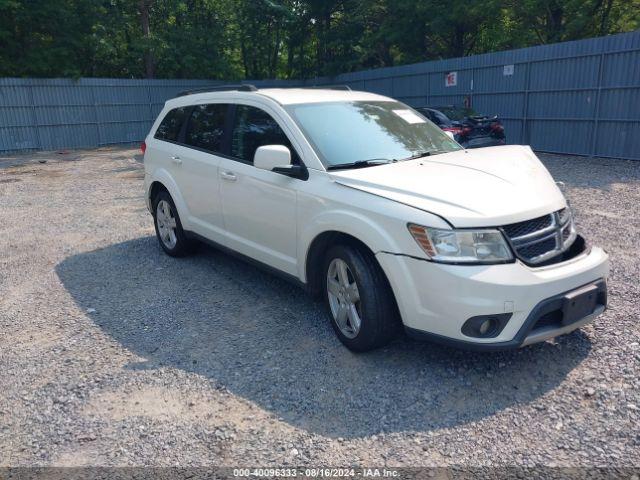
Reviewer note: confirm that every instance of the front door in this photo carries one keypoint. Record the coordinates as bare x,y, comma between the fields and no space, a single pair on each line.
259,206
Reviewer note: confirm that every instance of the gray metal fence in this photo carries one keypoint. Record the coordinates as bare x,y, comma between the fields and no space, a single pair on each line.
579,97
51,114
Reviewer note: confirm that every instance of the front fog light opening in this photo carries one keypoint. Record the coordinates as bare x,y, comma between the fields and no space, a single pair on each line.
485,326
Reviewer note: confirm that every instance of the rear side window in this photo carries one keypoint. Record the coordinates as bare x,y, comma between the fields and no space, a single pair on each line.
206,127
254,128
170,126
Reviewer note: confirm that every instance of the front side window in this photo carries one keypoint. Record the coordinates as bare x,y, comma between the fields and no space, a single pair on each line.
347,132
254,128
206,127
171,124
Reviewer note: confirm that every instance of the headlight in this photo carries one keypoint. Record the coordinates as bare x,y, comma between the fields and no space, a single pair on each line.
462,246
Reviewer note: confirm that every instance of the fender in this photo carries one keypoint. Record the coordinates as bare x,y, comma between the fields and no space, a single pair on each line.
351,223
164,177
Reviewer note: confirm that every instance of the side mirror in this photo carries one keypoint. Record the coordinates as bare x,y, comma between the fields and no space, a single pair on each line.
268,157
277,158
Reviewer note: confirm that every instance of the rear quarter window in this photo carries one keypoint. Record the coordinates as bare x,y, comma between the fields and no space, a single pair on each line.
171,124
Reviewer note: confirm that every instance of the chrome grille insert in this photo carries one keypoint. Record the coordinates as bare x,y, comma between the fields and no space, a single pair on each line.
542,238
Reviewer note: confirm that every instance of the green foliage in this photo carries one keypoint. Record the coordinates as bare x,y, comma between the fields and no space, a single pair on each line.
280,38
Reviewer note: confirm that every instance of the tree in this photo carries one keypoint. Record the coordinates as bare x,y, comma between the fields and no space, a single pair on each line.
149,62
227,39
561,20
261,27
45,37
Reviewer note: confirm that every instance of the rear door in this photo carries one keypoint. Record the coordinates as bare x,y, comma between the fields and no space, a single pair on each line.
166,138
259,206
198,160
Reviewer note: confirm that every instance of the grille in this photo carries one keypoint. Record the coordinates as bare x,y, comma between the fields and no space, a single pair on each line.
564,215
542,238
529,226
539,248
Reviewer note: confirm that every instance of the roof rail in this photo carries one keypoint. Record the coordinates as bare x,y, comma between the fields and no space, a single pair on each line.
244,87
332,87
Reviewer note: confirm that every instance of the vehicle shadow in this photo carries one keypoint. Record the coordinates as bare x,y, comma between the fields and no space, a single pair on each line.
265,340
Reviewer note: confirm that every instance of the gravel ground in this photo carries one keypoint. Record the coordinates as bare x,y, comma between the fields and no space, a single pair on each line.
112,353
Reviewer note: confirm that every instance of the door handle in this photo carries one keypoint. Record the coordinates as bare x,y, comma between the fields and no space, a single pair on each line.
176,160
229,176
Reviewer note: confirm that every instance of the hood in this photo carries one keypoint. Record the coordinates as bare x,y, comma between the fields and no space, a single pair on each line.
469,188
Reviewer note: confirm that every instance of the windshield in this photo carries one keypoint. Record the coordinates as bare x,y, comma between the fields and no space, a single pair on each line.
348,132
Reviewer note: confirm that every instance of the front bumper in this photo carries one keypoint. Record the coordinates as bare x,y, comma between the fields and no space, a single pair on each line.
435,300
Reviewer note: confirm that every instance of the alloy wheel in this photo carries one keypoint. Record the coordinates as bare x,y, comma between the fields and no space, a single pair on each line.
166,224
344,298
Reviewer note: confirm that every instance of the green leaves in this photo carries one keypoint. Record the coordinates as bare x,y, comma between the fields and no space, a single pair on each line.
255,39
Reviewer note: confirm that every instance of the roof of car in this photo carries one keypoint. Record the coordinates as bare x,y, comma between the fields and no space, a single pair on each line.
290,96
284,96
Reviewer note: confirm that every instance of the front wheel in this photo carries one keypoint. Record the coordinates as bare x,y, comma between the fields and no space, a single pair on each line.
359,299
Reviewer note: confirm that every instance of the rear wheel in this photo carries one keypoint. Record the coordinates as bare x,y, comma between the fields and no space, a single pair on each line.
168,226
359,300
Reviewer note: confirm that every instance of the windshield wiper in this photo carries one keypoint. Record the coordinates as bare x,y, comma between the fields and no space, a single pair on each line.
423,154
361,164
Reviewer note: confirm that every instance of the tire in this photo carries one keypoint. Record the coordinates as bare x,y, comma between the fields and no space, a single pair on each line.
376,308
168,227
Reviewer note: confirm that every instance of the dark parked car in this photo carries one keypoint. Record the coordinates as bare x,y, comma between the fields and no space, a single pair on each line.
469,129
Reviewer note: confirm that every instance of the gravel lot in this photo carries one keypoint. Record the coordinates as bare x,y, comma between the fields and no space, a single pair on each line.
112,353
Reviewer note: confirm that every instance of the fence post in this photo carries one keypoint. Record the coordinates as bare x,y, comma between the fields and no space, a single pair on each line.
525,107
472,86
34,115
427,100
95,114
596,113
151,119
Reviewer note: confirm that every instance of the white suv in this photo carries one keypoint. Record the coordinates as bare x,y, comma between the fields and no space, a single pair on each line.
365,202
